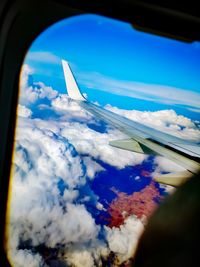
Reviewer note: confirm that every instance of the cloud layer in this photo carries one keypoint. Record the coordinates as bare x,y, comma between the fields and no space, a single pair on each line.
151,92
58,150
44,57
163,120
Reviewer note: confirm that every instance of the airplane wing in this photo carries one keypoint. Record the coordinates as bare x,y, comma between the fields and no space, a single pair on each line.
142,139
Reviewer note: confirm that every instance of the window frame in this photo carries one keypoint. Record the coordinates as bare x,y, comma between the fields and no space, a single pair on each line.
22,21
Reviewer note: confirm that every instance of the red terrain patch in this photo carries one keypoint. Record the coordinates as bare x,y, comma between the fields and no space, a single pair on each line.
140,204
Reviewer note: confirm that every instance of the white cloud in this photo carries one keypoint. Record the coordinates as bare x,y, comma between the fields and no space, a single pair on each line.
123,240
63,104
23,111
70,195
163,120
195,109
43,56
42,157
38,91
99,206
166,165
26,256
45,148
30,93
92,167
44,154
95,144
76,226
87,140
81,259
26,70
45,91
152,92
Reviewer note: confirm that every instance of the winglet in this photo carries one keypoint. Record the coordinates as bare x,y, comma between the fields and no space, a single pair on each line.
72,87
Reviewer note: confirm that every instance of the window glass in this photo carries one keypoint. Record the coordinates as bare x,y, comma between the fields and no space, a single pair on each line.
76,199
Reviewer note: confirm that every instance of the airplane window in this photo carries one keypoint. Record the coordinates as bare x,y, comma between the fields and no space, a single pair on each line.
108,126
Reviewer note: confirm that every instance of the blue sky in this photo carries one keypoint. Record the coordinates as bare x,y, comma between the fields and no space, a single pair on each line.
103,52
